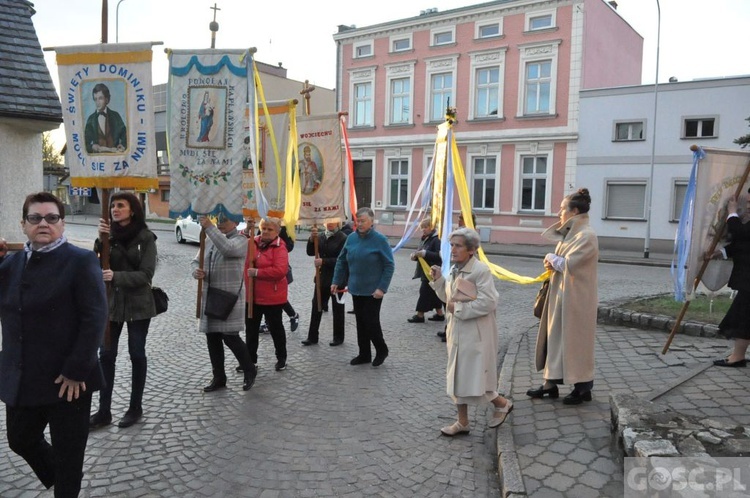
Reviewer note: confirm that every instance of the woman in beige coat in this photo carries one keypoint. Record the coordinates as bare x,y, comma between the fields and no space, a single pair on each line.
471,300
565,342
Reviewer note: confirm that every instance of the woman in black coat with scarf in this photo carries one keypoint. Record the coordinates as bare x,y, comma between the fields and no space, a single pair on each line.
429,250
132,257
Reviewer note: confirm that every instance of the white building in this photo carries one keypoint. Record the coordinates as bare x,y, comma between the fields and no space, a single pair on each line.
615,144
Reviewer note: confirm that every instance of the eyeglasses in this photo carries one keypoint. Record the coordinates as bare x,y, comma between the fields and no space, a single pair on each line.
35,219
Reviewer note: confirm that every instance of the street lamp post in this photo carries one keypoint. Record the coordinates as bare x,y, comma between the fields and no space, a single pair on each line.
117,21
650,189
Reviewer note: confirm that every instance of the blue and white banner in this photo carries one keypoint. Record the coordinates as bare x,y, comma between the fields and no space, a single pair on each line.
208,95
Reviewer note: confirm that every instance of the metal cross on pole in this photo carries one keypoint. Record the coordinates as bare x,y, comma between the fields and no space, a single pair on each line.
214,26
307,88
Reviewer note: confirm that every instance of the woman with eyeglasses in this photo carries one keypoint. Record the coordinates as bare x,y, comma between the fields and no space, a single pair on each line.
132,257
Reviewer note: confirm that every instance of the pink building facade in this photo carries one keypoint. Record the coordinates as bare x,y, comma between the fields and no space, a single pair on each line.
513,70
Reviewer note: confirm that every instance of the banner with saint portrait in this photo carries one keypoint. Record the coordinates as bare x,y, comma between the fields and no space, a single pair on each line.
208,95
717,180
321,169
108,111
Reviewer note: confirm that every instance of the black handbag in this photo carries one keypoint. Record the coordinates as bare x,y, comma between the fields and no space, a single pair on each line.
161,300
220,303
541,299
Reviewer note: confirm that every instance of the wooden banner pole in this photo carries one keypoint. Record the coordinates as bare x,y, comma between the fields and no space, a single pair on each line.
704,265
104,256
318,293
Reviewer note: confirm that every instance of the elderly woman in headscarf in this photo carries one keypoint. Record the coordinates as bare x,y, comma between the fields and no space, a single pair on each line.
471,299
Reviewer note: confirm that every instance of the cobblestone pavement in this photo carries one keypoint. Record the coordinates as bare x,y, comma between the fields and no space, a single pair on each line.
319,428
324,428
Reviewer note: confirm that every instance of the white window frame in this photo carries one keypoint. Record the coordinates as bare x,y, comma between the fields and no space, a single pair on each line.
629,123
359,45
394,39
700,120
537,150
533,53
530,16
400,177
486,60
357,77
434,32
487,23
494,177
438,66
629,182
395,72
677,209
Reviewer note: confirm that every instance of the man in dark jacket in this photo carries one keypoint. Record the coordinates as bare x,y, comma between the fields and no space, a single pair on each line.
53,311
330,244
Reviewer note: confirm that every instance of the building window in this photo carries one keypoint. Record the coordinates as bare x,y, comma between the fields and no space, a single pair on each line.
538,86
399,182
678,199
699,128
363,104
164,195
540,20
443,36
401,45
488,30
483,196
628,131
626,200
400,101
533,183
363,50
441,93
487,92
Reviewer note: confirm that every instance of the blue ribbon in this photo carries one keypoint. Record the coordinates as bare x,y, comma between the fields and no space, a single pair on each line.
445,243
212,69
684,232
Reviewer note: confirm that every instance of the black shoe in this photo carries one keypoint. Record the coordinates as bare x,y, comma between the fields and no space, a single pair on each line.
264,329
437,318
239,369
280,365
379,359
576,398
100,419
215,384
294,322
336,343
358,360
552,392
249,381
325,310
441,335
131,417
415,319
734,364
308,342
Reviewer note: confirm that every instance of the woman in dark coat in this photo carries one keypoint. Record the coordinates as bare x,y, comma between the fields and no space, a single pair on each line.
736,323
132,257
429,250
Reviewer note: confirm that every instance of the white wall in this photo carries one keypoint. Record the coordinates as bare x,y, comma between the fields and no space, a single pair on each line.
600,159
20,173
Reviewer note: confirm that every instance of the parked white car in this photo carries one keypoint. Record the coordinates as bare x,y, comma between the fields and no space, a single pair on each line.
189,230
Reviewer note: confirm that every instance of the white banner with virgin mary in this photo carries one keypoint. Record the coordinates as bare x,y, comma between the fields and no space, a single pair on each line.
208,94
108,111
321,169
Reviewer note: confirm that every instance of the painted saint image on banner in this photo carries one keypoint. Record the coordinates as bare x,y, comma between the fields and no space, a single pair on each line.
207,121
310,168
104,102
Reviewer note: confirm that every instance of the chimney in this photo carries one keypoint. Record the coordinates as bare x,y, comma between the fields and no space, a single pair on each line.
613,4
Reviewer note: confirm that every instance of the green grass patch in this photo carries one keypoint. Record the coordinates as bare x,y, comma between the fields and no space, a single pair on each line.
703,308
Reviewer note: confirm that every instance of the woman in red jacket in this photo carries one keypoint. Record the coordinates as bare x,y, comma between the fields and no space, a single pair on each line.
268,274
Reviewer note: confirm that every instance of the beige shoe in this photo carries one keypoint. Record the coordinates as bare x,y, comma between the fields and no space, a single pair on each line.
454,430
501,414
